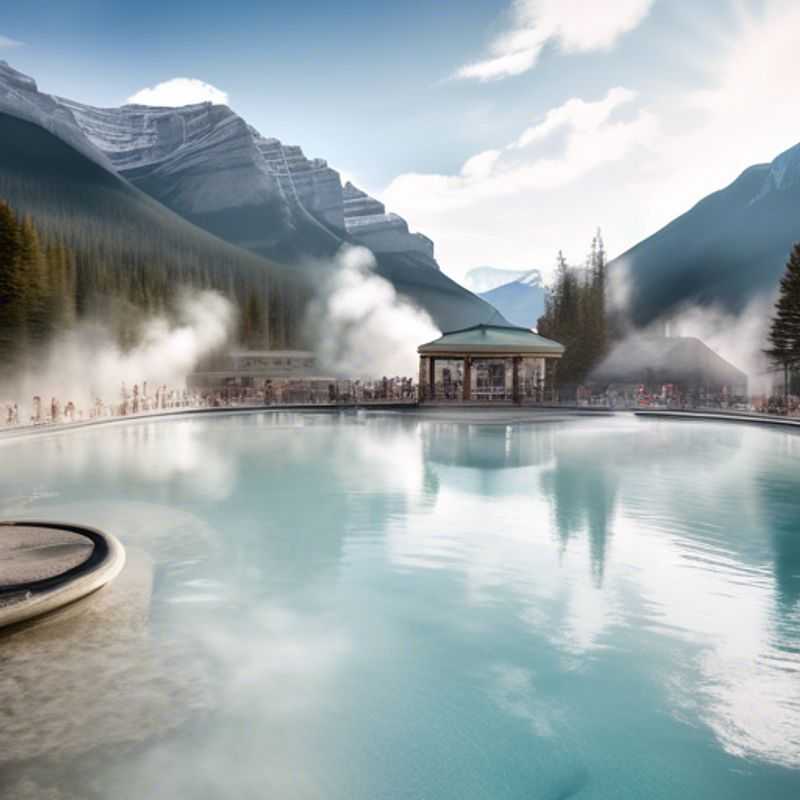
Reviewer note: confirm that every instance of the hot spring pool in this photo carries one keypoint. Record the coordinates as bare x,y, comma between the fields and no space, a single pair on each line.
360,607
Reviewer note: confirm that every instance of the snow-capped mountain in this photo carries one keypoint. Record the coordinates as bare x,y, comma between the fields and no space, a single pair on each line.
520,301
484,279
725,251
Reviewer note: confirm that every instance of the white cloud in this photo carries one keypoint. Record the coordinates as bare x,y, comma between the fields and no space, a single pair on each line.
569,24
179,92
7,41
577,114
591,139
744,113
628,163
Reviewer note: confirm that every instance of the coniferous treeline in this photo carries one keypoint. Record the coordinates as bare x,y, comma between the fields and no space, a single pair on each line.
128,254
784,334
69,268
575,314
37,286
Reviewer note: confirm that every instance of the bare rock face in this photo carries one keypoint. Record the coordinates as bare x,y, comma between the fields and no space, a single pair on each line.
207,164
368,223
20,97
311,182
198,158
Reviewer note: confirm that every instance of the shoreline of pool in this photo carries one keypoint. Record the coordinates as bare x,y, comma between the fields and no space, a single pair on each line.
472,413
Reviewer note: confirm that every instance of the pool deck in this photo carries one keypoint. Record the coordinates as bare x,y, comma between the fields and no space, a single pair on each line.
47,565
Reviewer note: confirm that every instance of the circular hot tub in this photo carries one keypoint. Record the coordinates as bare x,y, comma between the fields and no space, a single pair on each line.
47,565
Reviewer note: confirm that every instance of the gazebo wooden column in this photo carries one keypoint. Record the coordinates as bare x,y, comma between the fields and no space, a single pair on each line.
515,392
432,377
467,395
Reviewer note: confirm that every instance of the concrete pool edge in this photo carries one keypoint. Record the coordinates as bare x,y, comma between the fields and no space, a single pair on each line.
473,414
32,599
429,410
719,416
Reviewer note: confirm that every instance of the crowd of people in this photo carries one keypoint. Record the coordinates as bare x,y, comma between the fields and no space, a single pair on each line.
144,399
131,401
670,396
138,400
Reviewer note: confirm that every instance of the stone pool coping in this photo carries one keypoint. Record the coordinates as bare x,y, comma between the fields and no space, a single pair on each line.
28,599
472,413
720,416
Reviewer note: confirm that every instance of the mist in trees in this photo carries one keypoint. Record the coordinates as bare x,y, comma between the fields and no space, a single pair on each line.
57,271
575,314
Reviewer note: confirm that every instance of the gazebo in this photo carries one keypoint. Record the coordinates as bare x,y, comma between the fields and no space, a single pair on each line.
495,363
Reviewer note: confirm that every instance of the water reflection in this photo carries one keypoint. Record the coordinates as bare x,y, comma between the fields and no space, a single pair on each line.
337,605
582,493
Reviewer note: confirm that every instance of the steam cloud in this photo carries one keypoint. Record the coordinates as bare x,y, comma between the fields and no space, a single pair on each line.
361,327
86,363
738,338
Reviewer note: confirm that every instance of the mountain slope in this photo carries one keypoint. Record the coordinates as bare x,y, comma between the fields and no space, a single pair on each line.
483,279
114,227
521,301
208,166
727,249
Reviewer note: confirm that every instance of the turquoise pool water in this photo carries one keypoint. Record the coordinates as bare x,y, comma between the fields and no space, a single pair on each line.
380,606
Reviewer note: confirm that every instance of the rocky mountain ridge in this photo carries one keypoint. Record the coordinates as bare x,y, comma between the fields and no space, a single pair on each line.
206,163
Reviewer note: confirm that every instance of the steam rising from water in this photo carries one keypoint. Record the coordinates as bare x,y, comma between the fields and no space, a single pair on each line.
86,363
361,327
738,338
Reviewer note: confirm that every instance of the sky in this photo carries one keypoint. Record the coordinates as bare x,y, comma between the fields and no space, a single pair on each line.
505,130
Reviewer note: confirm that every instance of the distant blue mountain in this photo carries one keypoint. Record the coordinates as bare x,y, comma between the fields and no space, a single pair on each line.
520,301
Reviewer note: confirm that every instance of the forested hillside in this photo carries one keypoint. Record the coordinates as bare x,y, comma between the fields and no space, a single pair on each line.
37,286
94,245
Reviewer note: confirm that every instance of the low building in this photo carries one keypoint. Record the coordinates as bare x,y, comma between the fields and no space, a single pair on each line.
275,375
492,363
683,362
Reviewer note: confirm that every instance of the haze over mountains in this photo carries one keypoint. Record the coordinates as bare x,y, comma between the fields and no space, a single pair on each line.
726,251
206,164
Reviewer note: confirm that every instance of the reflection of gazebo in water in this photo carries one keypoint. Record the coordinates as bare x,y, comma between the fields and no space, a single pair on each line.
489,363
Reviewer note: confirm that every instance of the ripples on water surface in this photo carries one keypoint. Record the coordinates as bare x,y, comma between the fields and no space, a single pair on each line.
385,607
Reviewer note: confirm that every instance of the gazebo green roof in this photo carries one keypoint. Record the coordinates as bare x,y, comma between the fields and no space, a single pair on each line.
497,340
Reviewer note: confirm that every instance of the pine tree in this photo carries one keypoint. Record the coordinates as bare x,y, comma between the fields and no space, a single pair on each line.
34,280
784,335
12,288
575,314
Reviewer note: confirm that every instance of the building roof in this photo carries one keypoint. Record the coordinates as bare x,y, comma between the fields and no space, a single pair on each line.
492,340
662,359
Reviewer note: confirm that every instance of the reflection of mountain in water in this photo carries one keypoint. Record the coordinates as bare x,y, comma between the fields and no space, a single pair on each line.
582,492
